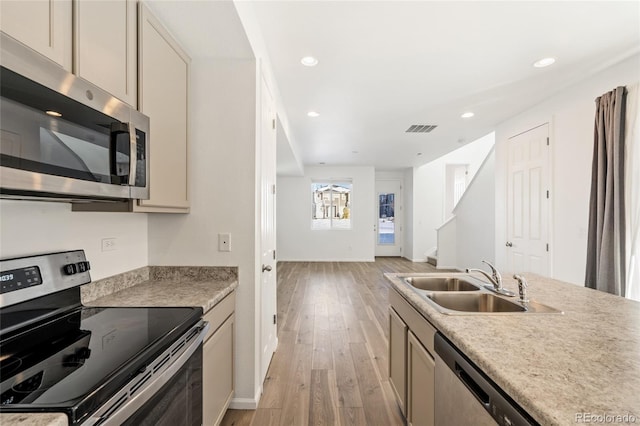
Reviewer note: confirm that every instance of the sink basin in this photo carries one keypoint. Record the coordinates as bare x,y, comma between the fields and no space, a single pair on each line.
441,284
481,302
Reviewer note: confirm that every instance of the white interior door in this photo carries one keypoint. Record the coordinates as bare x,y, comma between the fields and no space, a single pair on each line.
269,338
528,202
388,218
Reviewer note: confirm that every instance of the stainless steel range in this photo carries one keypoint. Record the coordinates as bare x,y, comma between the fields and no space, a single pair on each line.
99,366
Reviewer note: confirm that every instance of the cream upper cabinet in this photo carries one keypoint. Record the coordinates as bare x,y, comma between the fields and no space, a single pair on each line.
164,88
43,25
105,46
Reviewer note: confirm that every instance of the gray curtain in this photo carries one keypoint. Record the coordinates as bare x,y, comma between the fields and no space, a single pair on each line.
606,243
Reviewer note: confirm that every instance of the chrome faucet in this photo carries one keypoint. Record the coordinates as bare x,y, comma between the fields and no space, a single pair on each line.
522,288
495,279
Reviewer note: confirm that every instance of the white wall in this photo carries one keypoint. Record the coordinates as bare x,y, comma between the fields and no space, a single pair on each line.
571,116
475,223
35,227
429,192
222,174
297,242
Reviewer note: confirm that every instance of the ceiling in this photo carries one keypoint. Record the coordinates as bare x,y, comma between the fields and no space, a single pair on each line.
386,65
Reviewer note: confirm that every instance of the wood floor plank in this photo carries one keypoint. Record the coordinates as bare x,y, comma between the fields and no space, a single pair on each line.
267,417
348,390
377,346
305,324
238,418
373,396
321,408
295,410
352,416
279,372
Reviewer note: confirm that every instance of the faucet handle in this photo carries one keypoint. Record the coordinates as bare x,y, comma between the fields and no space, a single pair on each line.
494,272
522,287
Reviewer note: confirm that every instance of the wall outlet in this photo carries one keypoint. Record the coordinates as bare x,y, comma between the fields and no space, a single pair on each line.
224,242
109,244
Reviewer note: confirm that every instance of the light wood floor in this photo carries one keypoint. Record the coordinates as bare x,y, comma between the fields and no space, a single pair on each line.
330,367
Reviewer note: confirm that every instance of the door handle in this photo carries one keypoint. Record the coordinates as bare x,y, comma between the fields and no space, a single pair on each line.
266,268
509,244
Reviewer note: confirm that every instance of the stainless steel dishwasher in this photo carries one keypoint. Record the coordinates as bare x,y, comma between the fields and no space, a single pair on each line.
465,395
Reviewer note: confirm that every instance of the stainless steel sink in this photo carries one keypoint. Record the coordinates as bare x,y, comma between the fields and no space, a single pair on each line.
481,302
441,284
484,303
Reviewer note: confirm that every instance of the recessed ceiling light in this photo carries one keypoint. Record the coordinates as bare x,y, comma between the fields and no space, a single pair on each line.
309,61
419,154
53,113
544,62
354,152
313,114
322,163
467,114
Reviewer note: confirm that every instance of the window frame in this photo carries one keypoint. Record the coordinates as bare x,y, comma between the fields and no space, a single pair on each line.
348,203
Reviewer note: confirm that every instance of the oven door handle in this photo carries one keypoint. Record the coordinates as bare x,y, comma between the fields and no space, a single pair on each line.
133,396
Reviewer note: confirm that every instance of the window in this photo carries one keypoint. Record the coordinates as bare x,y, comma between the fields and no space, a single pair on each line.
331,205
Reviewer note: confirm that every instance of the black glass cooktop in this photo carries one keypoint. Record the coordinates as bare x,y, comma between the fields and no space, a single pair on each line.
73,363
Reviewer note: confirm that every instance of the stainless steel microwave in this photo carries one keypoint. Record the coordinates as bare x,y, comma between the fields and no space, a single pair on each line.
62,137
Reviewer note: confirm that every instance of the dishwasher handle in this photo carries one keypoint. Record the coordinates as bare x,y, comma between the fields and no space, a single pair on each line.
472,385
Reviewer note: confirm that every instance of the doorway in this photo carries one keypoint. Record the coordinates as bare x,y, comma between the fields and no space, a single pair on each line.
388,227
528,199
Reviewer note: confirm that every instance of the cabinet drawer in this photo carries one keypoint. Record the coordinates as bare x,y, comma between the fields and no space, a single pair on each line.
219,313
418,324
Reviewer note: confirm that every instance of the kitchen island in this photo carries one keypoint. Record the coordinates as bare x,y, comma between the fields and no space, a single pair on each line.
561,369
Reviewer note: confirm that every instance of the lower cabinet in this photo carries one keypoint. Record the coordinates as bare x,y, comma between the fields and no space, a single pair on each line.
398,358
420,384
218,355
411,361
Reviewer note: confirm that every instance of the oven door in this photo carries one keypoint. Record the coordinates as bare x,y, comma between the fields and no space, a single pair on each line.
168,392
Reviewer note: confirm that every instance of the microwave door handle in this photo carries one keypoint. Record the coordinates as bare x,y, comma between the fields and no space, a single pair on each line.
133,154
117,128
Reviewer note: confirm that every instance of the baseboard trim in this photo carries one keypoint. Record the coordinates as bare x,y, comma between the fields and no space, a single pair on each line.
328,260
246,403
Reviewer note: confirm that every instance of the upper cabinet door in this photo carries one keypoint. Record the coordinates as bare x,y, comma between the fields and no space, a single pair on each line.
106,46
43,25
164,88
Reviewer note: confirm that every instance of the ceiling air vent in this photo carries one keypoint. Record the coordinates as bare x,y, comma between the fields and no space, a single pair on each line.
421,128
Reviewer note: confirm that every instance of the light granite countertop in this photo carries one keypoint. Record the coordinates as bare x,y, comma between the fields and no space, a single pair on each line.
156,286
170,292
557,367
33,419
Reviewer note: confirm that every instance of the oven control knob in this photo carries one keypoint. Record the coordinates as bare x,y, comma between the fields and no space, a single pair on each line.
70,269
83,266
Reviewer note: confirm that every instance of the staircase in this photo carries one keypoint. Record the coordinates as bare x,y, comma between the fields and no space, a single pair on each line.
433,259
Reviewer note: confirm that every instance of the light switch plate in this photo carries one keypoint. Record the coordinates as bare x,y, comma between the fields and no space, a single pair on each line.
224,242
